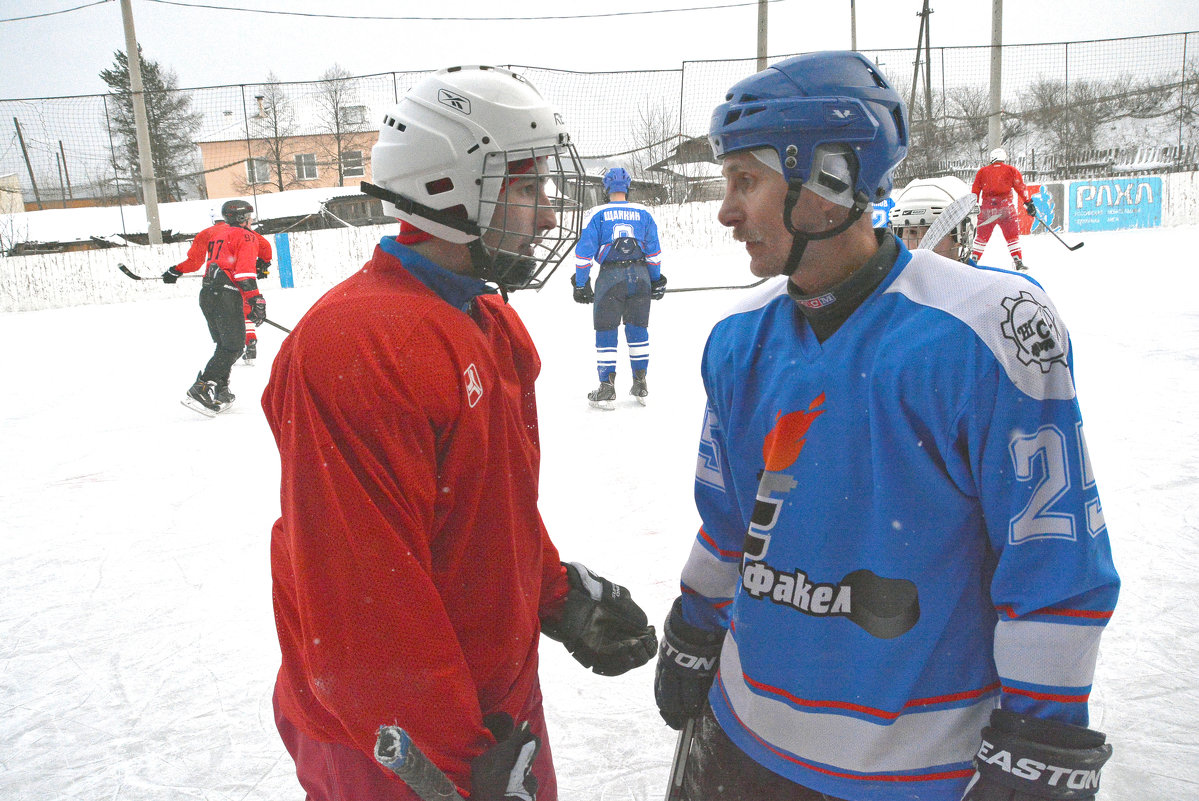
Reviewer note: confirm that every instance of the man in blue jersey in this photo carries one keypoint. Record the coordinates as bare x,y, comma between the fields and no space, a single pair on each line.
622,238
902,572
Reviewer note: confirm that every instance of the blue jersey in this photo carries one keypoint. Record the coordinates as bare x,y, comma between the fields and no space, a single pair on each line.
618,231
900,529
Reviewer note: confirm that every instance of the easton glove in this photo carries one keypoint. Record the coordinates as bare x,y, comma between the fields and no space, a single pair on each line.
504,772
257,313
601,625
1029,759
263,268
583,294
1031,208
687,664
171,276
657,289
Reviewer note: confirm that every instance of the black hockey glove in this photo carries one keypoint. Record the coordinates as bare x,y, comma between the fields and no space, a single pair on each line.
263,268
601,625
657,289
257,310
1030,208
171,276
1029,759
687,664
504,772
583,294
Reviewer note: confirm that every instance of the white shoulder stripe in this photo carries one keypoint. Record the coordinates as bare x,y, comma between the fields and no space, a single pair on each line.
758,297
1011,314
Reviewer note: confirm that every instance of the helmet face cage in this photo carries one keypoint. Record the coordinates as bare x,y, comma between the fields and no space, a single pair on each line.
521,256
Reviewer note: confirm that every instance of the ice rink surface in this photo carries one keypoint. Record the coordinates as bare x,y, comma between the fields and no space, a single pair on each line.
137,645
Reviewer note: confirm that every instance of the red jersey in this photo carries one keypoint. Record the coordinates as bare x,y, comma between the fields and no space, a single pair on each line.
233,248
410,565
997,182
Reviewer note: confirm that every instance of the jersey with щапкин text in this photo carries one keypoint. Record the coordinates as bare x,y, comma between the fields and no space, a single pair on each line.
410,565
900,529
618,231
235,250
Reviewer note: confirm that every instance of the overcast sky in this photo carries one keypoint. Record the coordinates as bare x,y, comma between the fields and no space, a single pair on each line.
63,54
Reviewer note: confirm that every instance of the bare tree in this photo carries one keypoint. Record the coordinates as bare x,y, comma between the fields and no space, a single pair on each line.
342,116
272,128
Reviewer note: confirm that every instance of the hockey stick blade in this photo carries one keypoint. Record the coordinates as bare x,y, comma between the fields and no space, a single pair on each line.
134,275
707,288
674,789
395,751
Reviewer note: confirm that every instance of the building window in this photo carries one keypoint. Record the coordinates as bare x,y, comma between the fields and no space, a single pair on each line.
351,164
306,166
258,171
353,115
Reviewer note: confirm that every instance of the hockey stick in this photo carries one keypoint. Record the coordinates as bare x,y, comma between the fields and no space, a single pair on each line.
674,790
395,750
272,322
706,288
1038,218
137,277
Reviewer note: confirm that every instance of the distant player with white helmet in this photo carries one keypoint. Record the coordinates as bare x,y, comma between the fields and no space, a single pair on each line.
994,186
622,238
412,573
902,570
945,202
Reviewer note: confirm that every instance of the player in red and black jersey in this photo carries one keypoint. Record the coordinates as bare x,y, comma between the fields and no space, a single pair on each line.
228,253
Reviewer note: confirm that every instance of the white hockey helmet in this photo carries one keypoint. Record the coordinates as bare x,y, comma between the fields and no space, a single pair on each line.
921,202
453,142
998,154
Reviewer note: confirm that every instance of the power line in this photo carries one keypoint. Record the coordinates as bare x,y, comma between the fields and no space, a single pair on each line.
53,13
455,19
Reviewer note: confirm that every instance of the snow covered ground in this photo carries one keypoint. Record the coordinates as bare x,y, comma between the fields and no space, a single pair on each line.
137,646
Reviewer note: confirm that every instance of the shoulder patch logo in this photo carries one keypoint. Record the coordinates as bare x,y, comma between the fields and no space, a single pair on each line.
1032,327
456,102
474,387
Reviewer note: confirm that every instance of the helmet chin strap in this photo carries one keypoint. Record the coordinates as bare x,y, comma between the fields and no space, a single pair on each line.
800,239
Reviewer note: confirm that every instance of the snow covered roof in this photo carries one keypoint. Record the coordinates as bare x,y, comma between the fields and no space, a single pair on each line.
187,217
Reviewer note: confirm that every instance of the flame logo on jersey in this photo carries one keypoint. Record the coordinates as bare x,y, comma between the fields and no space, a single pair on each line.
782,445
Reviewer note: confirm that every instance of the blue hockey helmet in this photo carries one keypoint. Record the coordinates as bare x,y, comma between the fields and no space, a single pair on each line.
826,98
617,180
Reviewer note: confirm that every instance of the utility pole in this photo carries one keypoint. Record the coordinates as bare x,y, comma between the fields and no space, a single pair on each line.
853,26
66,172
145,158
762,34
994,122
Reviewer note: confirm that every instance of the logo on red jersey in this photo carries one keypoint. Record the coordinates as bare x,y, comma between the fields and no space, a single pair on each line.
474,387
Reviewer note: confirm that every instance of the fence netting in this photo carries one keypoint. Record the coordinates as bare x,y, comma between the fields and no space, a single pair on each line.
1068,109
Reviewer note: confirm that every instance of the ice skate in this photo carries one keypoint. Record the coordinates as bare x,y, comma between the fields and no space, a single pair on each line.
604,397
251,352
1019,264
639,390
202,397
223,396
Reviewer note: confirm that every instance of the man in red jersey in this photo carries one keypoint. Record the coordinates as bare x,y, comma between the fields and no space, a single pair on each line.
227,251
412,573
994,185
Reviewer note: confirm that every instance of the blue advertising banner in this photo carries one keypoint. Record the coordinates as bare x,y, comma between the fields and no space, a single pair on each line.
1116,203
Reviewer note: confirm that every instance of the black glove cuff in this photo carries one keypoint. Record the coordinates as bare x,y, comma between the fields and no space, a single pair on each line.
683,633
1041,758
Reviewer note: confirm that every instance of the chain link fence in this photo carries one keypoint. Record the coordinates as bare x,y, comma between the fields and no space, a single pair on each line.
1075,109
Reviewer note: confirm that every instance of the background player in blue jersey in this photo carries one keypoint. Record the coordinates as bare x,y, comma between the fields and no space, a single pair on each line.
622,238
903,572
